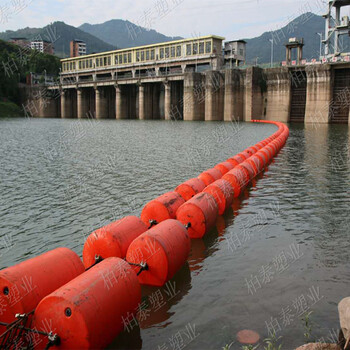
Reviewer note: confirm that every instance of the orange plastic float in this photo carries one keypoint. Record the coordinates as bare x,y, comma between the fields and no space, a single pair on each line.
233,161
165,248
210,175
112,240
162,208
200,213
91,310
223,194
250,169
190,188
23,286
224,167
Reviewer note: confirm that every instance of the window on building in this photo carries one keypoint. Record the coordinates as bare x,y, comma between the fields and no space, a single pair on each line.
195,48
188,49
201,48
91,63
79,64
147,55
142,56
161,53
167,52
208,47
137,56
101,62
109,60
241,52
129,57
172,52
105,61
178,51
152,54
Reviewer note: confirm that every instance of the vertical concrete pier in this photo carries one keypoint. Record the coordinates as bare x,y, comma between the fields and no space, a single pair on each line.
278,94
194,96
101,103
214,96
234,95
167,100
318,94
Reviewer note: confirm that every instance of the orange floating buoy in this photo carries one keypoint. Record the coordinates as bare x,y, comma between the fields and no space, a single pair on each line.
222,192
245,155
200,213
257,161
234,182
23,286
224,167
91,310
162,208
165,248
233,161
112,240
247,336
244,175
239,158
190,188
250,169
210,175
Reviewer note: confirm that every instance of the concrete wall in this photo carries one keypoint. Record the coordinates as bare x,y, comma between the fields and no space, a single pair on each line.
254,90
214,96
318,93
234,95
278,94
253,93
194,96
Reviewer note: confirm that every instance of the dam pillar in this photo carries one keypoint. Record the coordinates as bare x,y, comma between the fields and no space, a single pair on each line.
118,102
214,96
278,95
167,100
318,93
82,103
141,105
254,95
101,103
194,96
234,95
68,104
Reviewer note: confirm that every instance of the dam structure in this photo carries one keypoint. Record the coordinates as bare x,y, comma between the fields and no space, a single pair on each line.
191,80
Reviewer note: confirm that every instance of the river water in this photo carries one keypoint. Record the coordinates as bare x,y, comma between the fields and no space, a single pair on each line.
280,252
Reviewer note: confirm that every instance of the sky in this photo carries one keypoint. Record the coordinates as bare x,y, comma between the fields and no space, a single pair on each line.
233,19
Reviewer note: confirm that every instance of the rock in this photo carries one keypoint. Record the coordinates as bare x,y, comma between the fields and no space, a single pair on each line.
344,316
247,336
319,346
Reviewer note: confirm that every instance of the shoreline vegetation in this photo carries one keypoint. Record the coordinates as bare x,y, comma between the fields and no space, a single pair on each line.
16,63
10,110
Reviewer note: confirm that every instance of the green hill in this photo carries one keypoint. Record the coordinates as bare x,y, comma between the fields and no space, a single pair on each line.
125,34
305,26
61,34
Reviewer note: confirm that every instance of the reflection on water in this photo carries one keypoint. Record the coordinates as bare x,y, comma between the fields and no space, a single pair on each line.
283,246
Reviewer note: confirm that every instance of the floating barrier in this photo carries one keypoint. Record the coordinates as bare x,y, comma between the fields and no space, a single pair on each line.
210,176
92,309
199,214
164,248
162,208
112,240
223,194
23,286
224,167
190,188
80,307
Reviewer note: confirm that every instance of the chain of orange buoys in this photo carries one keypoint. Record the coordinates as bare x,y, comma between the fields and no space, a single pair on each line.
68,303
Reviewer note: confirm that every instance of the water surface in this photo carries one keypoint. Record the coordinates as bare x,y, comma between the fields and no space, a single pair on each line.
282,250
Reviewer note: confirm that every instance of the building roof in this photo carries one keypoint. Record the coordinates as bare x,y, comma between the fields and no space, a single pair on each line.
236,41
